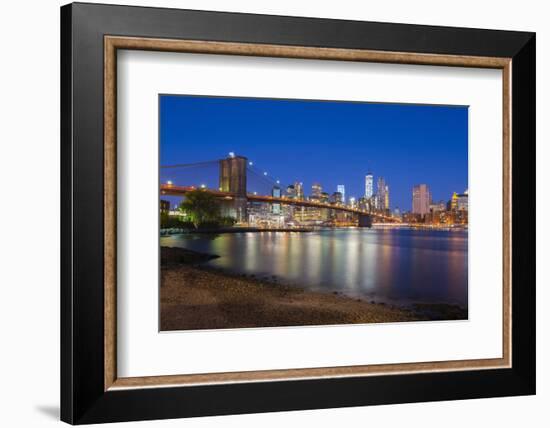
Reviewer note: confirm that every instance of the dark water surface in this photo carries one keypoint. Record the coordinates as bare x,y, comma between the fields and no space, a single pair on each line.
392,265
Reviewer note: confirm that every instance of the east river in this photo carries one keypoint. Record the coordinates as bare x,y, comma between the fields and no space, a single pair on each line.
391,265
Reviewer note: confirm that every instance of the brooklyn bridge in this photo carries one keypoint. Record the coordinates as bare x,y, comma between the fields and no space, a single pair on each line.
234,195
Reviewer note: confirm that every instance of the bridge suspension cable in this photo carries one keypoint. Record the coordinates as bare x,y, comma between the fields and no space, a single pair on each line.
258,173
190,165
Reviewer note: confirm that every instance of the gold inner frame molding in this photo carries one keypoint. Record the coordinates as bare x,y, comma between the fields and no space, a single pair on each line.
113,43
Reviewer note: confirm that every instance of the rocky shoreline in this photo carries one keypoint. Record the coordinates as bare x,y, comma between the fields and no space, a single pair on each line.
194,297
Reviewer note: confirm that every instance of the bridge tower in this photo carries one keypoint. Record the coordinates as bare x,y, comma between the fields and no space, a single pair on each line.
233,179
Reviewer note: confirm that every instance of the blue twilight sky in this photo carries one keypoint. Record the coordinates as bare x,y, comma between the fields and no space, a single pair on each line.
319,141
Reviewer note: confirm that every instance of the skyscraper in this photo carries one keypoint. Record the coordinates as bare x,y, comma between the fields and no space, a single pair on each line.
462,202
454,202
387,197
368,185
336,198
382,200
342,189
299,188
291,191
316,191
421,199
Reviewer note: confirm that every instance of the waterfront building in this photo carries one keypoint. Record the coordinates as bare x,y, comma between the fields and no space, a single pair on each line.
342,189
421,199
410,217
309,216
454,202
260,214
325,197
369,185
437,206
462,201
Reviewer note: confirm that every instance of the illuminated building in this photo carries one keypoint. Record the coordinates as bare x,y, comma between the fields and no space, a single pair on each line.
364,204
276,193
437,207
352,202
291,191
421,199
462,201
336,198
260,214
342,189
316,191
454,202
368,185
325,197
299,189
387,198
383,202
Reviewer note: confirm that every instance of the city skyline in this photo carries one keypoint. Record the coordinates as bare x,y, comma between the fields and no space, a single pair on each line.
294,139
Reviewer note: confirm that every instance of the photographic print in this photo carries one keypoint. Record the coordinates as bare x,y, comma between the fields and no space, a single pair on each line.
284,212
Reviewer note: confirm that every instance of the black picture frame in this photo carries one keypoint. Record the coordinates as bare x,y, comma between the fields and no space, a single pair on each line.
83,398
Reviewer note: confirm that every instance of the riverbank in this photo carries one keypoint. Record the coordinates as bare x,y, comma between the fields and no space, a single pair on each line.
197,298
174,231
194,296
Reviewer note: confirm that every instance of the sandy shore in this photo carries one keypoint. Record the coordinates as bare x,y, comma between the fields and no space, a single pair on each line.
195,297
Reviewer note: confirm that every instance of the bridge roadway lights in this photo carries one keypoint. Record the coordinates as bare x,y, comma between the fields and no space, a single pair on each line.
365,220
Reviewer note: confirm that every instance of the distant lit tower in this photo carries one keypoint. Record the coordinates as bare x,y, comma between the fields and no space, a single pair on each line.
369,185
342,189
381,205
299,189
421,199
387,198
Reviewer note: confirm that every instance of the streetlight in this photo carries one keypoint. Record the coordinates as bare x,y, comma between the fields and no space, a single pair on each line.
203,186
169,182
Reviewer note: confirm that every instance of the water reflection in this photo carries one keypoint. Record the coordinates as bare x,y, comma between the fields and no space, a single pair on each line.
394,265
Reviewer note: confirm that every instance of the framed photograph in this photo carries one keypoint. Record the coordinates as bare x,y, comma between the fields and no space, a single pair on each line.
266,213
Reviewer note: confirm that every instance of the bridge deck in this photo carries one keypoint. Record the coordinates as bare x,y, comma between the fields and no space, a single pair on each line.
173,190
